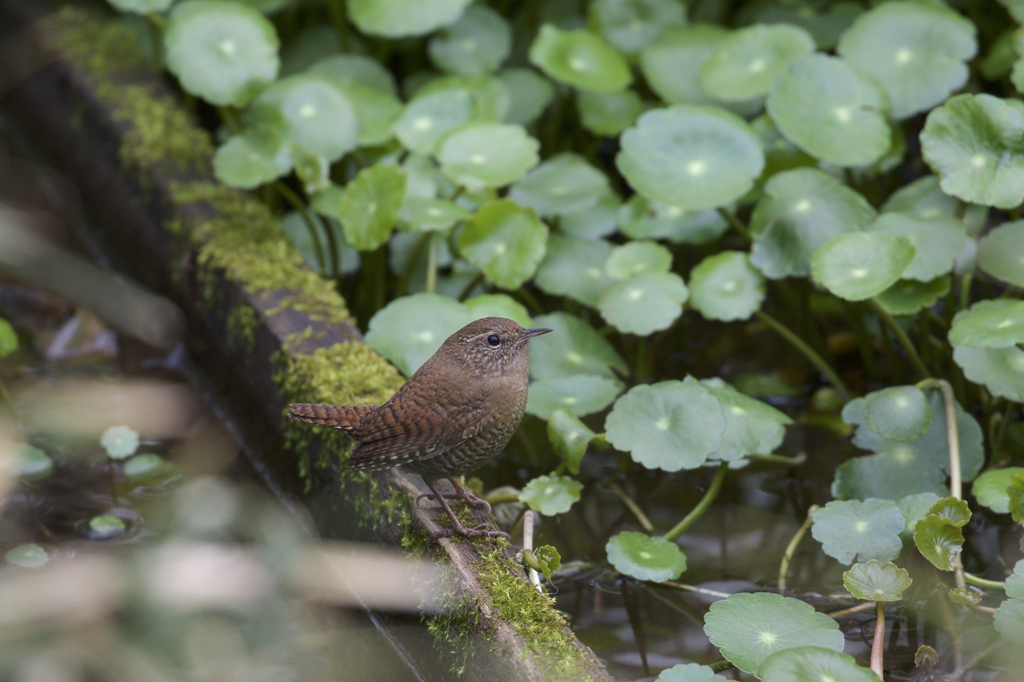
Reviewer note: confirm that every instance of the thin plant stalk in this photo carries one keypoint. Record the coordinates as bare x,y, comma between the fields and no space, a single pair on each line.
528,545
634,508
702,506
735,222
808,352
698,590
777,459
473,283
965,290
863,606
296,202
410,265
337,11
983,583
878,643
791,547
432,263
902,337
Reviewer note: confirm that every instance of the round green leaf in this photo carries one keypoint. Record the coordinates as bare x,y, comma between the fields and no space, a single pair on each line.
1001,253
1009,620
899,413
940,541
106,526
580,350
578,395
672,64
906,297
570,438
310,111
32,462
888,475
600,220
995,323
876,581
830,111
410,329
825,22
221,51
574,267
746,62
1014,585
937,242
579,58
377,112
813,664
564,183
972,142
487,154
989,489
645,557
551,495
645,303
367,207
499,305
491,99
506,241
637,257
726,287
422,215
608,113
691,157
28,555
629,25
428,117
530,94
146,464
296,229
689,672
1001,370
915,50
401,18
120,441
670,425
853,529
925,199
477,43
141,6
8,338
751,426
355,69
1016,493
643,219
251,159
914,508
749,628
860,265
799,211
957,511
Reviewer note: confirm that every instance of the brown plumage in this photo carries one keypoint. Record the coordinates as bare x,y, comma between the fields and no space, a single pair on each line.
454,414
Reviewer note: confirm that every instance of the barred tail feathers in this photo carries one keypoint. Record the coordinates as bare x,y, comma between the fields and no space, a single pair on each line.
347,418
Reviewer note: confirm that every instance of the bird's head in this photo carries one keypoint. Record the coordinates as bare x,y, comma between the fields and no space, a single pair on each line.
493,345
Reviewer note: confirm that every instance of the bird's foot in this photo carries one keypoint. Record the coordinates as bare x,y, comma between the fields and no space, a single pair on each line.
481,531
461,493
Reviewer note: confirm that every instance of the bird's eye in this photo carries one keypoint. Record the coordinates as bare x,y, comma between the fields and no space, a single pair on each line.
494,340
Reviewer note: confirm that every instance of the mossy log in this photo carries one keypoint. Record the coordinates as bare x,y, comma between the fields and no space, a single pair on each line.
265,329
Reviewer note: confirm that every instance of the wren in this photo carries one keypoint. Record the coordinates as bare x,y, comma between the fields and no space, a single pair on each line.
452,416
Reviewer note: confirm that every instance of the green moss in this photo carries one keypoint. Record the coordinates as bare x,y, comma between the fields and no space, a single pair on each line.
534,618
242,323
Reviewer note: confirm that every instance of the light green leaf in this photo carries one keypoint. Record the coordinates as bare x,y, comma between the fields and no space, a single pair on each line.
31,462
645,303
672,64
600,220
367,207
813,664
1009,620
940,541
745,63
643,219
957,511
221,51
578,395
146,464
645,557
860,265
995,323
749,628
310,111
899,413
28,555
487,154
670,425
830,111
401,18
925,199
1001,370
120,441
579,58
1001,253
608,113
689,672
849,530
529,92
570,438
989,489
428,117
875,581
691,157
914,508
907,296
726,287
499,305
564,183
915,50
574,267
551,495
411,329
8,338
422,215
506,241
106,526
751,426
296,229
477,43
629,25
355,69
580,350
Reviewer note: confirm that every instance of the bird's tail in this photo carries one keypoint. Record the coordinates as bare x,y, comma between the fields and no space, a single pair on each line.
346,418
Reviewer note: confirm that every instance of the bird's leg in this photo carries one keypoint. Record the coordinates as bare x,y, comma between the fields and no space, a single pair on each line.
457,527
461,493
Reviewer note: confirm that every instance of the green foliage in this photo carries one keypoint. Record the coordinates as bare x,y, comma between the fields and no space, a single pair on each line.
645,557
551,495
8,338
867,530
876,581
811,664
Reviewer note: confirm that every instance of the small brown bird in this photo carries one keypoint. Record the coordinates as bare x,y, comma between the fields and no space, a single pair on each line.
453,415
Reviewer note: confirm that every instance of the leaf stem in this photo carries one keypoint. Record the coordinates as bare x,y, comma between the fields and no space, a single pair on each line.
698,590
336,8
735,222
702,506
878,643
469,287
296,202
965,290
432,263
863,606
902,337
808,352
777,459
634,508
971,579
410,265
791,547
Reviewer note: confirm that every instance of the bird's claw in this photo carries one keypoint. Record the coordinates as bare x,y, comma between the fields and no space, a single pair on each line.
475,532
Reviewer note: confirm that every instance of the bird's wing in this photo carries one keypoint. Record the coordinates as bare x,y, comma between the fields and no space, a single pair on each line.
412,426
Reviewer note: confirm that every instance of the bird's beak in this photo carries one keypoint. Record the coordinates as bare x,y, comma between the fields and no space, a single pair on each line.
530,333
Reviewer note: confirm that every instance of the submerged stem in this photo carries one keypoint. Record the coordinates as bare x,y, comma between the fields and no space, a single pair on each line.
634,508
791,547
878,643
808,352
902,337
702,506
698,590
